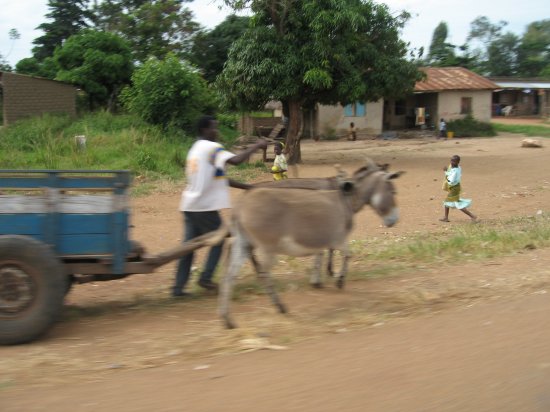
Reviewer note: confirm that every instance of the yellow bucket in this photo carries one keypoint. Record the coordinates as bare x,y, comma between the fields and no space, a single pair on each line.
450,135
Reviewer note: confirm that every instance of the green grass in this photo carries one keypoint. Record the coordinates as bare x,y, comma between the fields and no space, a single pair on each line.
528,130
466,242
112,142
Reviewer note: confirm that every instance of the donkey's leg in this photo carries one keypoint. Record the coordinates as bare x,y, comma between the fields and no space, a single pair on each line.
330,268
237,256
315,279
265,262
254,260
345,258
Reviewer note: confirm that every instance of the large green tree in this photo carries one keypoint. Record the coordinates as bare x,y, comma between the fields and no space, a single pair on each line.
534,51
484,33
167,92
502,56
316,51
68,18
441,53
100,63
210,48
153,28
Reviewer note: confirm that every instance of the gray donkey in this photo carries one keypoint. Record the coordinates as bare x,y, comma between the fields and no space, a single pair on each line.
319,183
302,222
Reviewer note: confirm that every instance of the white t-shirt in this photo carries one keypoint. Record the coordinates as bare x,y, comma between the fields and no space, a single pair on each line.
207,186
280,162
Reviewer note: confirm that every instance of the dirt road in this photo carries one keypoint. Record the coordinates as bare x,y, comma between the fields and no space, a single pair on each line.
464,338
487,357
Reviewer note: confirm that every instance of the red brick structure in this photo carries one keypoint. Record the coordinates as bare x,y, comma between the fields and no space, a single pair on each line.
25,96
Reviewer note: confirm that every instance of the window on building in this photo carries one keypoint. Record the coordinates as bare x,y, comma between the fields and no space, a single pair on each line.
466,105
355,110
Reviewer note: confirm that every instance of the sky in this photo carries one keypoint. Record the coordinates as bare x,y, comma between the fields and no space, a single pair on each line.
26,15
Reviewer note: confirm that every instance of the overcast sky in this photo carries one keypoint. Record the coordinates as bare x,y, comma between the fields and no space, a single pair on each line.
26,15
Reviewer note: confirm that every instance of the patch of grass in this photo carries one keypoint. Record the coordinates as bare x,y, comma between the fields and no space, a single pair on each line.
247,171
152,153
112,142
261,114
468,242
5,384
528,130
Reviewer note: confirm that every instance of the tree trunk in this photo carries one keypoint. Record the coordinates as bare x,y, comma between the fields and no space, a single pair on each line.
294,132
111,104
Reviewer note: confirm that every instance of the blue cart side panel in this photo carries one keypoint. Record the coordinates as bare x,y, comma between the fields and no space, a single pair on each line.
78,213
28,224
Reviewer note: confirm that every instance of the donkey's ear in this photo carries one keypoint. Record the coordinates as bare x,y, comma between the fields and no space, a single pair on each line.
395,175
371,165
346,186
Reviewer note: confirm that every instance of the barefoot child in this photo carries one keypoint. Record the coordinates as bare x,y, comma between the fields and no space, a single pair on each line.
453,174
279,165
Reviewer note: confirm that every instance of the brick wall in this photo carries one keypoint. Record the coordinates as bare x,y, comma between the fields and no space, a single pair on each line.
26,96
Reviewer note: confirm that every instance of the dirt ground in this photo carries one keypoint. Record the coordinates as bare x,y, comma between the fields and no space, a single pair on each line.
389,343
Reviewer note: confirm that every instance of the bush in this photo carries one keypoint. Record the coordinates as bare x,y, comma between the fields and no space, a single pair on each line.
470,127
168,93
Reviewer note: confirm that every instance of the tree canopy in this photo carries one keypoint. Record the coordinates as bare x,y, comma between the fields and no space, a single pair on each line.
68,18
534,51
167,92
211,47
153,28
98,62
491,51
316,51
440,52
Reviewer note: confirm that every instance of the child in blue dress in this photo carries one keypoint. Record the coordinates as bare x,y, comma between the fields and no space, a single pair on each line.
453,176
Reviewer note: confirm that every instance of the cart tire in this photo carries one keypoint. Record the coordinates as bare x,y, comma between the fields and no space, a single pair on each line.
32,289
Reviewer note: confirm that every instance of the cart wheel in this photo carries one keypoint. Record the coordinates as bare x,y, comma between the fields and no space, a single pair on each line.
32,288
69,285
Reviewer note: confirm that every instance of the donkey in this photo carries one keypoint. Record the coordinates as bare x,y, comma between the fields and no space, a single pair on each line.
320,183
302,222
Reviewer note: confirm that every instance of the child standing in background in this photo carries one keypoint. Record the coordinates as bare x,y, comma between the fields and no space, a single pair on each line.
352,132
453,176
442,128
279,165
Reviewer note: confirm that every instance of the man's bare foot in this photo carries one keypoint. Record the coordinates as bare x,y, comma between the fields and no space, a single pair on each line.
444,219
475,219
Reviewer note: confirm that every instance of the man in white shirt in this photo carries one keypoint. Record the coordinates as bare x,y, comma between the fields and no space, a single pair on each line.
207,192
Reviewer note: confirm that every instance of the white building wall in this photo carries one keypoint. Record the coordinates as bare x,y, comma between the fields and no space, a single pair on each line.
449,104
331,120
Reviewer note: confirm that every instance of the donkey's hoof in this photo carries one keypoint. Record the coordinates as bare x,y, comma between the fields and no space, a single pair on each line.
340,283
229,324
317,285
282,308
